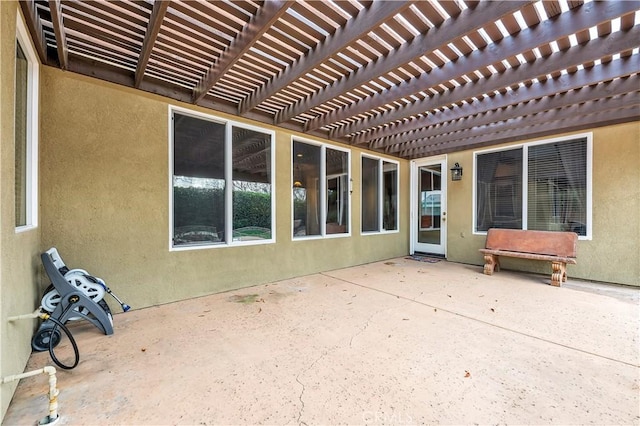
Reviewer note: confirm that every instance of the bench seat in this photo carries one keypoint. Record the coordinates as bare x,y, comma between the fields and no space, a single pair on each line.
559,248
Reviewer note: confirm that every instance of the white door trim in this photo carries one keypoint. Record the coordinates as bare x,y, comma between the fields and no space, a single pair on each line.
413,210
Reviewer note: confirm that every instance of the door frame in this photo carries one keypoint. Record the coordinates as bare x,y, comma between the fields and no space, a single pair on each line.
414,208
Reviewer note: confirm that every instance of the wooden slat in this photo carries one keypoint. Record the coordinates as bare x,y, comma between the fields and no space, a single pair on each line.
565,24
447,32
55,8
357,27
35,28
153,28
584,119
531,108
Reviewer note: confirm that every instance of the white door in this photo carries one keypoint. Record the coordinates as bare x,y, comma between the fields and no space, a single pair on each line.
429,206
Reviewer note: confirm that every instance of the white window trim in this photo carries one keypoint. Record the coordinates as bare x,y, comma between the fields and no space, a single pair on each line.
323,191
228,178
525,169
381,162
33,70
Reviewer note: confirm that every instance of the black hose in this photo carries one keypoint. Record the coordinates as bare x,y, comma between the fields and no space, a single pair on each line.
64,328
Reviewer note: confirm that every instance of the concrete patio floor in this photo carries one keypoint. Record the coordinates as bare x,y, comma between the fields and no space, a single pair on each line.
394,342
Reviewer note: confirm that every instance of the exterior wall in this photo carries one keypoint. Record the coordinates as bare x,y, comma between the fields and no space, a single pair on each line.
105,201
613,254
19,252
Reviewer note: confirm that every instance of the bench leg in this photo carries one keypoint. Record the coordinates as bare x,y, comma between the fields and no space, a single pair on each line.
559,273
491,263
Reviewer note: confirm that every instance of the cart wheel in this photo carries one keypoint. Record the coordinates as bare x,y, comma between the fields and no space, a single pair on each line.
40,341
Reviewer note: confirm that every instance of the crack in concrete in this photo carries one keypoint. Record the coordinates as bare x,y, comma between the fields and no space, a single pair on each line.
324,353
479,320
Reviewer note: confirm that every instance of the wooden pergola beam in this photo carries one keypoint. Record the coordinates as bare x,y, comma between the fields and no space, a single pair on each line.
598,113
34,26
410,130
575,20
537,106
153,28
357,27
576,55
449,31
55,7
270,12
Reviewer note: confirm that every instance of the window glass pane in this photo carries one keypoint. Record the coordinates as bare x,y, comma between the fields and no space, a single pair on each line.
557,187
499,190
21,160
306,189
251,185
337,168
390,196
198,181
370,194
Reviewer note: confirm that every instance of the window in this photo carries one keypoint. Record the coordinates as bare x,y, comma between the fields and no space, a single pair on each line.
221,182
321,190
379,195
541,186
26,131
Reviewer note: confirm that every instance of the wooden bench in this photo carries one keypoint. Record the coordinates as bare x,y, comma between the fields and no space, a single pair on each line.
557,247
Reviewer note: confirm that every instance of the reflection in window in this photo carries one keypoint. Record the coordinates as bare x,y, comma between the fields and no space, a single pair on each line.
306,189
204,211
337,167
379,195
370,194
198,181
390,196
21,159
555,182
321,202
251,152
499,190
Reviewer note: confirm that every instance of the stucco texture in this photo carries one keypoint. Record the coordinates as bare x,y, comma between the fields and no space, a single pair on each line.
105,201
19,256
613,253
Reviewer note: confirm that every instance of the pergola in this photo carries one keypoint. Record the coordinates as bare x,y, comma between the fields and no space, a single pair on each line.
407,78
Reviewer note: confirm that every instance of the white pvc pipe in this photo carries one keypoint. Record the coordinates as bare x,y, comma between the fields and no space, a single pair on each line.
53,391
35,314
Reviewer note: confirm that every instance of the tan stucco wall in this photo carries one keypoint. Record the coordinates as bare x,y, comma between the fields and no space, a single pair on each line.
613,254
19,252
104,168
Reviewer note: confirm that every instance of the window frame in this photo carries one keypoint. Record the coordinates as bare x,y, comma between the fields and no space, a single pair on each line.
228,177
32,135
525,173
323,190
381,161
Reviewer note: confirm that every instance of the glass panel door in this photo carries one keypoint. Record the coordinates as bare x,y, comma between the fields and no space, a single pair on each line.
430,208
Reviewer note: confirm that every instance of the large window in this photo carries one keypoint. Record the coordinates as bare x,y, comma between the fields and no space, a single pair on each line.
221,182
541,186
26,131
321,190
379,195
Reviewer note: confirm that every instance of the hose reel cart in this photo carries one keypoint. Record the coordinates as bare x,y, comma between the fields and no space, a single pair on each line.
72,295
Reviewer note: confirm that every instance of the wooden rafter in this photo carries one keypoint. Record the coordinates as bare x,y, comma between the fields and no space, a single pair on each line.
55,6
587,115
35,28
407,131
545,32
409,79
537,108
260,23
361,24
554,63
153,28
449,31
